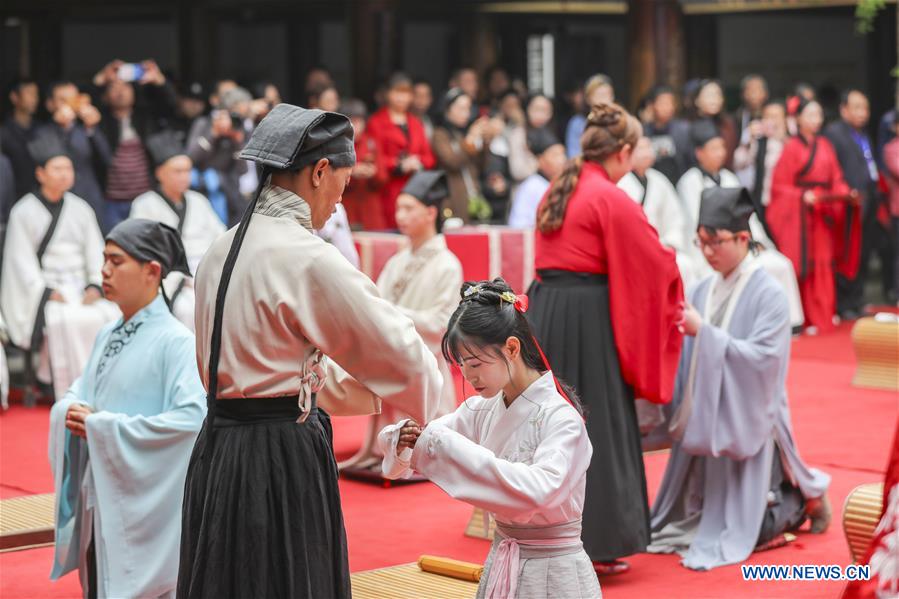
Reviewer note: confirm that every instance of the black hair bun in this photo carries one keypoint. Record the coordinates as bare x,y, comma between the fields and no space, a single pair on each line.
485,292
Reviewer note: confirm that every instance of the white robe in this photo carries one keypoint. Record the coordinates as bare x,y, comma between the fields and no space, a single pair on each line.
200,228
665,212
690,188
73,260
294,297
526,464
424,285
526,200
125,483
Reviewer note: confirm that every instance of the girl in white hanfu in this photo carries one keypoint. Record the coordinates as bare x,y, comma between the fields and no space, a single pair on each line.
518,449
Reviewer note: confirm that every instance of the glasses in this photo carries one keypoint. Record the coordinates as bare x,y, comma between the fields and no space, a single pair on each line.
714,243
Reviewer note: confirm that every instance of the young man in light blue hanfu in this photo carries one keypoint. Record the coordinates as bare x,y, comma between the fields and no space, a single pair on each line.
121,438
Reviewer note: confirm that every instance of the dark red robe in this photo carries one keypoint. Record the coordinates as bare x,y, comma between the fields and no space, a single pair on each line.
362,198
394,145
605,232
819,239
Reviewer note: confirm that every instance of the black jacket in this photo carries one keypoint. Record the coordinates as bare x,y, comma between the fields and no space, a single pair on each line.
852,160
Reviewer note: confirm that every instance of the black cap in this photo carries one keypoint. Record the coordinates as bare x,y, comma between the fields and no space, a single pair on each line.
727,208
291,138
147,240
702,132
46,146
165,145
354,108
193,90
540,140
428,187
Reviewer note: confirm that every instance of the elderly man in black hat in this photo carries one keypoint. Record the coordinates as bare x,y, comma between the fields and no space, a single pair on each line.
284,322
735,481
121,438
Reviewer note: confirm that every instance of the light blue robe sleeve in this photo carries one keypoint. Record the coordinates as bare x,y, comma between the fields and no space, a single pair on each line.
68,462
738,381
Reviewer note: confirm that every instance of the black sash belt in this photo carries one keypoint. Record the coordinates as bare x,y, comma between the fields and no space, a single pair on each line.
569,278
258,410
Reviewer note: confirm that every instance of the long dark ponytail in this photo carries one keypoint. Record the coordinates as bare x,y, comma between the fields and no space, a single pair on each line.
609,128
485,319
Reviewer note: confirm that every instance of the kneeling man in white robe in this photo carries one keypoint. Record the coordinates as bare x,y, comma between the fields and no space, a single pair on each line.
711,154
423,282
734,481
188,211
121,438
50,285
662,206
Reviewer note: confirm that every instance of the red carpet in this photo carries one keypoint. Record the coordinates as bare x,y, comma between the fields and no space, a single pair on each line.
840,429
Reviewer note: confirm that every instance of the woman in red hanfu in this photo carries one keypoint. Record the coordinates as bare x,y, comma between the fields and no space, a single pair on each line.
401,140
814,215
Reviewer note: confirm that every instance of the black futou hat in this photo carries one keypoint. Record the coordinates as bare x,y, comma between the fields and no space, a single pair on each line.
165,145
290,138
727,208
45,147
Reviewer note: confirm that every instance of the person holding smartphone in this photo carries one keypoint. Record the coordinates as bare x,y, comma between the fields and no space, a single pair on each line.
137,101
74,122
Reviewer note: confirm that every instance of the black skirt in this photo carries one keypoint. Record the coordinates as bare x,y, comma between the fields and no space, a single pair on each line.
569,313
263,517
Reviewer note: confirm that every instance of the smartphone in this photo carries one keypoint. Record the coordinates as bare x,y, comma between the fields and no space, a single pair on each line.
131,71
78,102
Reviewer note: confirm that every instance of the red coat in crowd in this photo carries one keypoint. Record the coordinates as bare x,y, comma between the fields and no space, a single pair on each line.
362,197
818,239
394,144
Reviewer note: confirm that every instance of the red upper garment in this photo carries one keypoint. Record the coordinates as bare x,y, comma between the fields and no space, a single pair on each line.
362,197
605,232
393,145
784,213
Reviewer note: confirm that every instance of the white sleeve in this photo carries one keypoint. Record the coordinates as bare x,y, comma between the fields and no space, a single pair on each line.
22,283
93,248
474,474
521,216
394,466
673,217
431,322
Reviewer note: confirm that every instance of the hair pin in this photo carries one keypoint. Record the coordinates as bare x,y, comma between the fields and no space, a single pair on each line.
519,301
472,290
